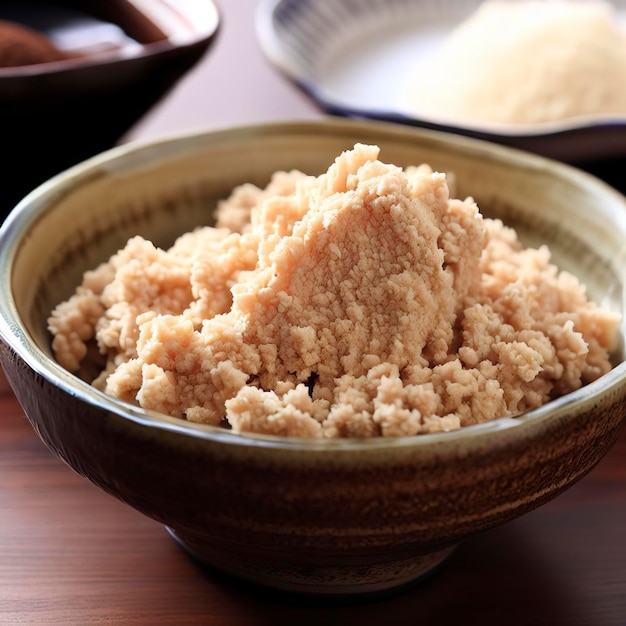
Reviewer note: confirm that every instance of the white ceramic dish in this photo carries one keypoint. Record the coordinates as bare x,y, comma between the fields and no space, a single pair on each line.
351,55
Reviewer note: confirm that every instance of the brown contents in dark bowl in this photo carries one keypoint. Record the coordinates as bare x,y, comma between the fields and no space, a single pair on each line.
20,45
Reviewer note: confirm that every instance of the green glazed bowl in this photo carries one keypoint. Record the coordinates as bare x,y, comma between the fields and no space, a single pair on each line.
313,516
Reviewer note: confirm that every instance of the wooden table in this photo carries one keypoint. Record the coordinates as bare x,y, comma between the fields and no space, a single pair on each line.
70,554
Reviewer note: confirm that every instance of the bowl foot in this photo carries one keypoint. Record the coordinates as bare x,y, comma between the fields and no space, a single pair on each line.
331,580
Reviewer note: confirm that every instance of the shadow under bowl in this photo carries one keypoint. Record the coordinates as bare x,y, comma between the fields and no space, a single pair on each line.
324,516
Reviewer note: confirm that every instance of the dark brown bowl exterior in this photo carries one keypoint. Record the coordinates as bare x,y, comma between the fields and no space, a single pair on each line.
332,517
335,519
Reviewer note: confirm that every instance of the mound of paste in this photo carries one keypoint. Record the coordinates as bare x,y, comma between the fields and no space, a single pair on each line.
363,302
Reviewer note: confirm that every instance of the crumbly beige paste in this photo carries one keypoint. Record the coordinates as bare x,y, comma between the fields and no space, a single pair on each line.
525,63
360,303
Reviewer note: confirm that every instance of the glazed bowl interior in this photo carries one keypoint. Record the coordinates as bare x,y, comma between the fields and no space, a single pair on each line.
164,189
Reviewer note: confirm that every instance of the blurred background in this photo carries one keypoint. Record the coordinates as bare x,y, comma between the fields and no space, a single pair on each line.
135,70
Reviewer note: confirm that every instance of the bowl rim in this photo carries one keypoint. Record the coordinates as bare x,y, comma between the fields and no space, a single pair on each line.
145,152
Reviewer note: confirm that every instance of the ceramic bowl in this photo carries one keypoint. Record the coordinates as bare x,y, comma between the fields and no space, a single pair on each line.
314,516
353,57
121,57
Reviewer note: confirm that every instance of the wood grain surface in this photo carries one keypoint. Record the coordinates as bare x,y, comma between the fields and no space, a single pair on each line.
72,555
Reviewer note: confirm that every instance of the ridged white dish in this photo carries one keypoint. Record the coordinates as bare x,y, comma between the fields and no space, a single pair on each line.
351,56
